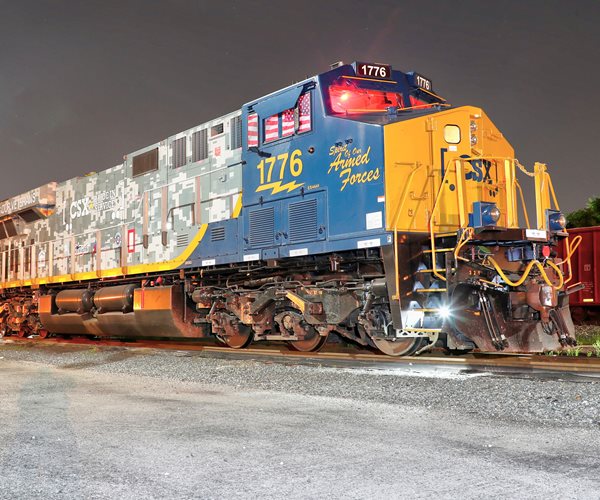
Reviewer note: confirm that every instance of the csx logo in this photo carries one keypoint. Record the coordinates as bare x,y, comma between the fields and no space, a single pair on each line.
480,170
80,208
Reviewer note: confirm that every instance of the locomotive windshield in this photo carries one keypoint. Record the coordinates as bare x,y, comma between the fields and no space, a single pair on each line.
349,95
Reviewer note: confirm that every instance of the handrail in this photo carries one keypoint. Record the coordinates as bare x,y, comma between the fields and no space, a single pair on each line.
571,246
396,217
523,204
431,219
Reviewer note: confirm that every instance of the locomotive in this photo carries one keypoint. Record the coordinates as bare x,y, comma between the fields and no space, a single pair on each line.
356,203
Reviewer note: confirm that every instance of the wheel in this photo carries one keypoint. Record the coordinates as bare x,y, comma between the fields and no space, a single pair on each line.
44,334
311,344
22,333
240,339
400,347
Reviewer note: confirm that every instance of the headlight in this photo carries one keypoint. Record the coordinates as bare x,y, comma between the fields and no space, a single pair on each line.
484,214
473,129
494,213
555,220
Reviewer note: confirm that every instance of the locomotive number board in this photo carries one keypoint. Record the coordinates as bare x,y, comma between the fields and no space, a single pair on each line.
374,70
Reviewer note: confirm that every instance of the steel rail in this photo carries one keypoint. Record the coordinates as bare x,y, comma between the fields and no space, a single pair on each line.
480,361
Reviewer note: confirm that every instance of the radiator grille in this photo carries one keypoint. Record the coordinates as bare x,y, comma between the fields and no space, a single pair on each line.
302,220
145,162
236,132
262,226
200,145
179,152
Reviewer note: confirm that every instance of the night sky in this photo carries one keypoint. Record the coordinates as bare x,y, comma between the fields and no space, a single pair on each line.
82,83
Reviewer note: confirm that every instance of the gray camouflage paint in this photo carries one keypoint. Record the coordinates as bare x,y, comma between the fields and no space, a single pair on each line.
99,211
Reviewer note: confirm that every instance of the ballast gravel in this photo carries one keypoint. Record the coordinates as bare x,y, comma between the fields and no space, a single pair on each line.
103,423
535,400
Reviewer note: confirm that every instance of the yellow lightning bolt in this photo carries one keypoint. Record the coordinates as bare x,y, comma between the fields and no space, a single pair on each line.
277,187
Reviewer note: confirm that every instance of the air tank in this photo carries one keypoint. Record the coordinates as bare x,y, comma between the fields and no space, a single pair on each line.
115,298
79,301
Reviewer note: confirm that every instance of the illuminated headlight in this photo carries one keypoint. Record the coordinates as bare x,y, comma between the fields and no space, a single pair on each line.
484,214
473,126
556,221
444,312
473,140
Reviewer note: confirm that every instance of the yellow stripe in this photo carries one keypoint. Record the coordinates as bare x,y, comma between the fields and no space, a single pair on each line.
167,265
238,207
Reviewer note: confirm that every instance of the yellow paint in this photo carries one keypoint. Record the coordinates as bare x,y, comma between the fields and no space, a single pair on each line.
296,300
420,191
279,167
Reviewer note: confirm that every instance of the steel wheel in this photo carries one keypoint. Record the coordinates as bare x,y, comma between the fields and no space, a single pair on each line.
22,333
314,343
239,340
44,334
401,347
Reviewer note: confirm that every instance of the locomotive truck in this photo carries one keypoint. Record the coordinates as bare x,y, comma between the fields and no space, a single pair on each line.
356,203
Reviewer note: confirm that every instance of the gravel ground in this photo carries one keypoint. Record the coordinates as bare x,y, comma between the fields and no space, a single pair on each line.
137,423
538,401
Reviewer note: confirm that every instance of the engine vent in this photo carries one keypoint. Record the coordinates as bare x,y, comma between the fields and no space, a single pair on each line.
262,227
183,240
217,234
302,220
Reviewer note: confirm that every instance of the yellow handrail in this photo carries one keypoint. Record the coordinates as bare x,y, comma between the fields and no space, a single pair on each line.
523,204
571,246
396,217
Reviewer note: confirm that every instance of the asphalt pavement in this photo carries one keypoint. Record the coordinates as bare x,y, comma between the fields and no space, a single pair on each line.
71,430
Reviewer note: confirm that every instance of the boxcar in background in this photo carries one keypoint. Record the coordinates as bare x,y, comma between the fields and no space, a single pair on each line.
585,265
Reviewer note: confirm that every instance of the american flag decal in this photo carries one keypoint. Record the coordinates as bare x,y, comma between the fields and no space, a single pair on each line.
287,122
272,128
304,112
253,130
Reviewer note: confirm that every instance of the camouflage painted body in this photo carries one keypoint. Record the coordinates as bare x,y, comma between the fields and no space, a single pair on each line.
97,224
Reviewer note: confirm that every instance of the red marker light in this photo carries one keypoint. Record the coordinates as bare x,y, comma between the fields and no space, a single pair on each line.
546,251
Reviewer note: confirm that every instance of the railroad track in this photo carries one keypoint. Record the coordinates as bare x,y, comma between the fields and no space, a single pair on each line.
348,356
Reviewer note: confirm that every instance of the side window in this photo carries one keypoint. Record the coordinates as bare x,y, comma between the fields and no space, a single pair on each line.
284,124
252,130
272,128
216,129
304,113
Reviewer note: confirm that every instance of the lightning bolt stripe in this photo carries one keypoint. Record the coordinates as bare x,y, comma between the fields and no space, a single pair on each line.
277,187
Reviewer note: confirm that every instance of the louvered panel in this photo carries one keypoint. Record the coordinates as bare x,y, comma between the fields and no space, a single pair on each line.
262,227
182,240
217,234
302,220
179,152
199,145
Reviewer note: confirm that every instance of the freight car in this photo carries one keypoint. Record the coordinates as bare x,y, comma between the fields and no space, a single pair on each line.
356,202
585,275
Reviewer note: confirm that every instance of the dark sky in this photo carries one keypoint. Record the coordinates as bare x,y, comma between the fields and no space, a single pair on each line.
82,82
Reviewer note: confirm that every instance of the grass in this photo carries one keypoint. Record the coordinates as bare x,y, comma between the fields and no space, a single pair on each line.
587,334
